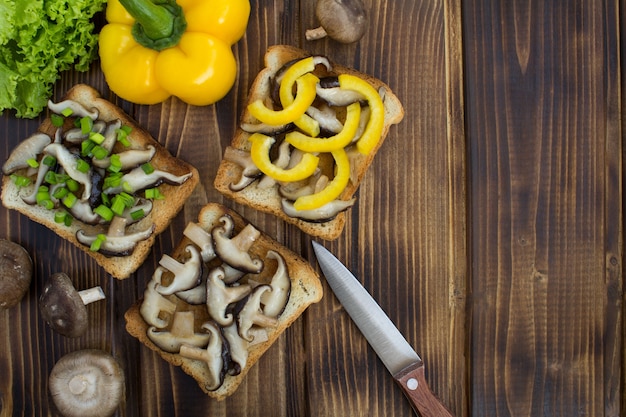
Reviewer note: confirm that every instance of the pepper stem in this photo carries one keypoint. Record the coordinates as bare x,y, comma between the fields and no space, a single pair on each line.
159,23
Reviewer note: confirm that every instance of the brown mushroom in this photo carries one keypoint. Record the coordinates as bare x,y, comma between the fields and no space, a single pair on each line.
87,382
63,307
234,250
343,20
181,333
16,271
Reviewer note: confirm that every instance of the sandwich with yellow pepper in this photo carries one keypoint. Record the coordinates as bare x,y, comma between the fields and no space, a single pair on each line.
309,132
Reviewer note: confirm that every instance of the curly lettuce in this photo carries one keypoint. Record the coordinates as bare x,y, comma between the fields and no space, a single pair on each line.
38,40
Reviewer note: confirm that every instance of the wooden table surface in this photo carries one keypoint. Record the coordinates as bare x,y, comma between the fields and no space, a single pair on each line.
489,227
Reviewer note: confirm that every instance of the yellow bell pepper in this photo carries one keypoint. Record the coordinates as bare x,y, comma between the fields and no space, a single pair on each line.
338,141
305,95
150,51
374,128
260,151
333,189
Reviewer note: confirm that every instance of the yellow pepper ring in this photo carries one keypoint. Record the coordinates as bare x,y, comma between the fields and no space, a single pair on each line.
260,151
305,122
338,141
373,130
304,98
333,189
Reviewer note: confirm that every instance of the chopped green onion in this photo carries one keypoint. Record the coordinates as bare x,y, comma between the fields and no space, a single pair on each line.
86,124
104,212
51,178
32,163
20,180
72,184
99,152
100,239
57,121
116,163
59,216
137,214
147,168
48,204
154,194
105,199
96,137
118,205
69,200
49,160
60,192
113,180
122,135
127,187
82,165
67,112
86,147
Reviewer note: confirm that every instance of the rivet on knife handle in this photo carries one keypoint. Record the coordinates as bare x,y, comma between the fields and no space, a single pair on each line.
416,389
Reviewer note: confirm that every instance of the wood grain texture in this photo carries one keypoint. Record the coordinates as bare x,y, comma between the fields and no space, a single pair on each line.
545,151
489,227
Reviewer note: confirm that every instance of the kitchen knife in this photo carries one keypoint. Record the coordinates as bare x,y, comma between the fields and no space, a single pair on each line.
404,364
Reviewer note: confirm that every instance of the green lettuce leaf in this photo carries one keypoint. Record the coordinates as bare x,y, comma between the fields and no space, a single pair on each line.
38,40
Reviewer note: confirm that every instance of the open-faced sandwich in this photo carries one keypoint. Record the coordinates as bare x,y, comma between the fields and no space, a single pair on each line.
97,179
221,299
309,133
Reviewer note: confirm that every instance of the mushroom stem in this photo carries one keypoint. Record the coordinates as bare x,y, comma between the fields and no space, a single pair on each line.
92,294
316,33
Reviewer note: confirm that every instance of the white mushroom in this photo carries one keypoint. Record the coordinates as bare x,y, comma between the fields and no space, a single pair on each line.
136,180
274,301
219,297
116,242
68,161
28,149
154,305
234,251
212,356
128,159
77,109
320,214
251,314
87,382
237,349
186,275
202,239
181,332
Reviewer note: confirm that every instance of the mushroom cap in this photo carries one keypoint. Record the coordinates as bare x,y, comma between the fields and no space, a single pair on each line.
62,308
86,382
16,271
344,20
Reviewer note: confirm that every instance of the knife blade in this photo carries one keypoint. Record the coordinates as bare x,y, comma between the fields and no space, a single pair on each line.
400,359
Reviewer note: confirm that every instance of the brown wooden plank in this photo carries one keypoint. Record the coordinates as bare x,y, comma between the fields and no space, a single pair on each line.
545,142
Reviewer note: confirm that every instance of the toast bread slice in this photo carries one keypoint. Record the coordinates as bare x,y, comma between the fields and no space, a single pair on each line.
268,199
163,211
306,289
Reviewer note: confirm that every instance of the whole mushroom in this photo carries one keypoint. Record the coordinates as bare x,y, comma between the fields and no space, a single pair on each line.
87,382
16,271
343,20
63,307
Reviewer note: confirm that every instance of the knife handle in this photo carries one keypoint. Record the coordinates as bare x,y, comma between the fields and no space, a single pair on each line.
413,383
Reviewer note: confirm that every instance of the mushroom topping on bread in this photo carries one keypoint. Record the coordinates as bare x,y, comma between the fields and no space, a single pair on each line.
234,250
202,239
274,301
219,296
181,332
87,382
155,308
63,307
212,355
186,275
92,172
116,242
16,271
252,314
